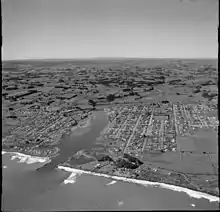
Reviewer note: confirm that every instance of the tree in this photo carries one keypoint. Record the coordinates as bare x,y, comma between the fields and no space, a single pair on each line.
110,97
93,103
162,78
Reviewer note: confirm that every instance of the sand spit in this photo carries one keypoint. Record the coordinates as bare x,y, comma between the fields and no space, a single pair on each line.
191,193
82,125
85,124
27,158
33,159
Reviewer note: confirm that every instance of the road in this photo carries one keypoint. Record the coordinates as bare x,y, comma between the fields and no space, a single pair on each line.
161,134
174,112
135,127
187,116
149,129
123,124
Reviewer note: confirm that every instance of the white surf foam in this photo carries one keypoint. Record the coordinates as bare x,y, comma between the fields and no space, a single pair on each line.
4,167
111,183
191,193
33,159
70,179
27,158
120,203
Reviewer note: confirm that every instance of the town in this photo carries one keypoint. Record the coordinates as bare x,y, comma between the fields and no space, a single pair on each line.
110,105
39,130
161,121
154,127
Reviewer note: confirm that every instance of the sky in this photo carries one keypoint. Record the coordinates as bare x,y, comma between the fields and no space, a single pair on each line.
109,28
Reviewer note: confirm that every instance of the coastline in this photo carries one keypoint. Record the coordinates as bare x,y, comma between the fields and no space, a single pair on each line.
25,152
84,124
27,158
33,159
189,192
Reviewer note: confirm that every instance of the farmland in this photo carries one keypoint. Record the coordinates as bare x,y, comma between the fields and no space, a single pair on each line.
162,116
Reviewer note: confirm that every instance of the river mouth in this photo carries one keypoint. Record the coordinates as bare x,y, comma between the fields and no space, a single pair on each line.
24,189
82,138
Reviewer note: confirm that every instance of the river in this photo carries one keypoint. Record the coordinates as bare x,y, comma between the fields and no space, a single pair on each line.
51,189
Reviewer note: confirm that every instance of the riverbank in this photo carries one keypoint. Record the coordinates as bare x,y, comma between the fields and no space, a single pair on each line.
53,150
31,159
87,122
82,125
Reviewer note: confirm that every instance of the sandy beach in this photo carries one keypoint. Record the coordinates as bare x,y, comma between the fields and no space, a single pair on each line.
71,179
27,158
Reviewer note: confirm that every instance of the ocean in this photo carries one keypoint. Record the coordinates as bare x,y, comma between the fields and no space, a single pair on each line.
26,189
59,188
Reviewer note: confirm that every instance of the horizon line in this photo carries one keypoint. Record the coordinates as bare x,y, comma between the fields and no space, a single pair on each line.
95,58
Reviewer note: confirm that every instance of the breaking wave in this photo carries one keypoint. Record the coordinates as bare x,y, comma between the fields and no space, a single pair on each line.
27,158
74,172
111,183
191,193
71,178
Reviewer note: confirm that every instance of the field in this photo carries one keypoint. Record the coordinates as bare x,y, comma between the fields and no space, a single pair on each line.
162,115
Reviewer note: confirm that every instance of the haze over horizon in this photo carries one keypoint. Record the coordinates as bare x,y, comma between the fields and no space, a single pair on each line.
55,29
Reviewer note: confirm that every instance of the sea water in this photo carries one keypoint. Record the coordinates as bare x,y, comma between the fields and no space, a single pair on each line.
59,188
26,189
81,138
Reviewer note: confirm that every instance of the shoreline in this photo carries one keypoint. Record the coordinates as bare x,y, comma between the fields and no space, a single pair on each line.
189,192
107,126
33,159
27,158
83,123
